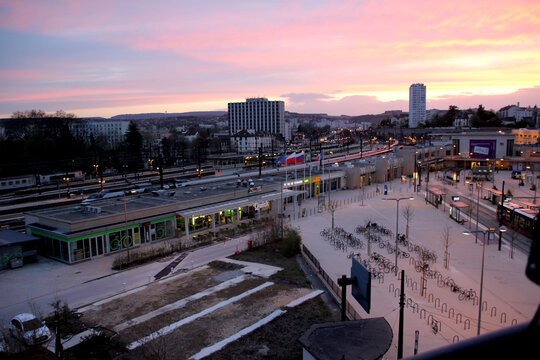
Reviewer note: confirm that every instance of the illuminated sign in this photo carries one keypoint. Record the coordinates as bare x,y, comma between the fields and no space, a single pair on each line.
293,183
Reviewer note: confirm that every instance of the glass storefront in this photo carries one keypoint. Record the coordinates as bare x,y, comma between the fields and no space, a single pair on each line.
99,244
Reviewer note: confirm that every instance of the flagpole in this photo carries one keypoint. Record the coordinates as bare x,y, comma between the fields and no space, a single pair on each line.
304,194
310,161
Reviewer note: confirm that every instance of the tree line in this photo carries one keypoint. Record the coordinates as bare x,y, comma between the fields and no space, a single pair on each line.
34,142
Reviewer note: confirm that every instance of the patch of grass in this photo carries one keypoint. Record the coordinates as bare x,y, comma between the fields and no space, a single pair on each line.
279,338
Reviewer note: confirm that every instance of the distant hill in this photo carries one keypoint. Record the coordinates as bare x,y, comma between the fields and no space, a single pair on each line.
153,116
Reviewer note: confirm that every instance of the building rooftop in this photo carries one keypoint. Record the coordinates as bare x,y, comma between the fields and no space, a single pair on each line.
359,339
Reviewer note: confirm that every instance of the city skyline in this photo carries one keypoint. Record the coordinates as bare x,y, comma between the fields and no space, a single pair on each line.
352,58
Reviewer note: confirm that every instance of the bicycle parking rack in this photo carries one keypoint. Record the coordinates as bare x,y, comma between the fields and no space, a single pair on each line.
444,307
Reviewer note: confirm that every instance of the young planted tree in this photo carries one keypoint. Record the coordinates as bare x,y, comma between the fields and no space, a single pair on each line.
408,214
332,207
445,235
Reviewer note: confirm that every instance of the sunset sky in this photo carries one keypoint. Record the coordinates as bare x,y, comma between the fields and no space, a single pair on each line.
103,57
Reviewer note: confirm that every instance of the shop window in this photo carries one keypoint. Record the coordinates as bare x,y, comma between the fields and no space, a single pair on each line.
100,245
65,250
77,250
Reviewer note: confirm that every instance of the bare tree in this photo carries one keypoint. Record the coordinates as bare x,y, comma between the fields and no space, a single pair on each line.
332,207
445,235
408,214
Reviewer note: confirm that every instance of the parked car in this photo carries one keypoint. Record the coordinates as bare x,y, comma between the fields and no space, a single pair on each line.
30,329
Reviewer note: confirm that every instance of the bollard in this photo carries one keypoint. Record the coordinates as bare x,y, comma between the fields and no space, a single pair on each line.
459,318
451,313
514,322
415,286
503,317
396,292
455,339
430,298
467,324
415,307
422,313
484,306
475,300
437,302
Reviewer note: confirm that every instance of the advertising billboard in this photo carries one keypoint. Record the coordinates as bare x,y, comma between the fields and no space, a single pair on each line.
361,286
483,149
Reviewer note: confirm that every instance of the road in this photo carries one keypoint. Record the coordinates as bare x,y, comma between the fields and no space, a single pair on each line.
27,290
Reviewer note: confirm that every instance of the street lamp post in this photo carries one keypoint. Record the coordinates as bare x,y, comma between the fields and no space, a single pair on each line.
484,232
397,200
66,179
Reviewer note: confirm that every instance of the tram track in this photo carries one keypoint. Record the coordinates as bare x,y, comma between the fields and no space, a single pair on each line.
487,216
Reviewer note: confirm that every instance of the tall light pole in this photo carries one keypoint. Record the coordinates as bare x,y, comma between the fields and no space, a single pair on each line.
484,232
397,200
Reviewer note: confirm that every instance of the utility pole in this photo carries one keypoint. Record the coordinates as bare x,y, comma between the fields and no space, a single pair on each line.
401,315
260,162
160,162
361,146
500,215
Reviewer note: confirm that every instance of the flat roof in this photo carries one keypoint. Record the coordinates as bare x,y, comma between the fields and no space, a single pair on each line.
11,237
437,191
459,204
189,197
530,204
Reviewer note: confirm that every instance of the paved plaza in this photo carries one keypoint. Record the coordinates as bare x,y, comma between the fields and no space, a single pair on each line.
509,296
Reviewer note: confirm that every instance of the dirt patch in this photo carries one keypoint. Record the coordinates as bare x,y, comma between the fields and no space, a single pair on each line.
208,330
280,341
279,338
138,331
271,254
154,296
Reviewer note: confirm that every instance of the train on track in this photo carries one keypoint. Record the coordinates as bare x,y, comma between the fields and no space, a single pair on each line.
26,181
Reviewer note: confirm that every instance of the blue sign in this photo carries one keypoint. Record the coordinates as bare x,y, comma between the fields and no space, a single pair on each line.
385,189
361,287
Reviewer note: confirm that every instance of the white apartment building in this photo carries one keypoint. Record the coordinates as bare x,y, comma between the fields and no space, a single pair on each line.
518,113
247,141
417,105
110,132
258,114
